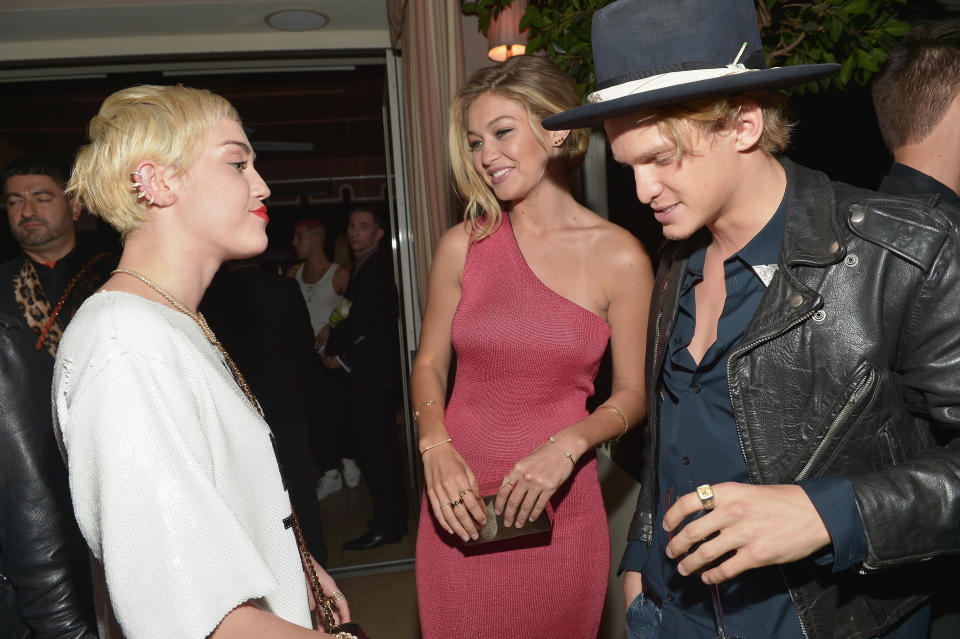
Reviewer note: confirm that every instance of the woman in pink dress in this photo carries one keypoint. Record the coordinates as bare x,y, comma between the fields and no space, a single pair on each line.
527,290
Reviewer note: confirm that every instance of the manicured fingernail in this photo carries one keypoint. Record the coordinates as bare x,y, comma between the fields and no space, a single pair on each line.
519,523
474,536
499,512
507,523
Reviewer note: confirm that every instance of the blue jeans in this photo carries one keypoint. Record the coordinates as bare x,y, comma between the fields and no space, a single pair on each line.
643,619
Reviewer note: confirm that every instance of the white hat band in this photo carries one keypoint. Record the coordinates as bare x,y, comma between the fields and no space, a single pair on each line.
664,80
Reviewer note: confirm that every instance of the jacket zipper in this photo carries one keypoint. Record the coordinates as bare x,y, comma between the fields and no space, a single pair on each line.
803,627
736,354
656,358
838,421
743,450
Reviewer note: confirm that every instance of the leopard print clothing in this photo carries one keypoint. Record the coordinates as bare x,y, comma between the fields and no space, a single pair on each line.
37,309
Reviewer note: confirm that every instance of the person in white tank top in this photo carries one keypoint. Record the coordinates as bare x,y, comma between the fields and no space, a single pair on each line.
322,282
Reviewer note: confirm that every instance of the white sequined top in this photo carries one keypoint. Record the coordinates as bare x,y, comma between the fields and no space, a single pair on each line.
172,472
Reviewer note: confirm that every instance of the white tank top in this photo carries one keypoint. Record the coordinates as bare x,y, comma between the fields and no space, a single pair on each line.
319,296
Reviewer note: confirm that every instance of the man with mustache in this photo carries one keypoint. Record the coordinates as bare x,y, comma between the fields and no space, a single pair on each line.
56,272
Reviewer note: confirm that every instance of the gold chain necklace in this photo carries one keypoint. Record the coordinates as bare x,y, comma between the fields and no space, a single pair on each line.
202,323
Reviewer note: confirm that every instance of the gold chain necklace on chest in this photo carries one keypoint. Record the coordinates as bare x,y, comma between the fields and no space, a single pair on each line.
202,323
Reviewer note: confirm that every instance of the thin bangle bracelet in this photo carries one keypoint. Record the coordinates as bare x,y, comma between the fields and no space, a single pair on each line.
619,412
446,441
566,453
421,406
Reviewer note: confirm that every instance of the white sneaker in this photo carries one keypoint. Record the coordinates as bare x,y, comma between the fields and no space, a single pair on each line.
331,482
351,473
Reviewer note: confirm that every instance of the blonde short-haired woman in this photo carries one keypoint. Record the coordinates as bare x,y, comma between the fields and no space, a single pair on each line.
172,467
528,290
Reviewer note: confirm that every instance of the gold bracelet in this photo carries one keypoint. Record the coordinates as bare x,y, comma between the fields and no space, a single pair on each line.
446,441
566,453
619,412
421,406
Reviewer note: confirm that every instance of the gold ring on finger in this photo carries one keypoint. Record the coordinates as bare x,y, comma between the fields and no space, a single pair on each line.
507,482
462,493
705,493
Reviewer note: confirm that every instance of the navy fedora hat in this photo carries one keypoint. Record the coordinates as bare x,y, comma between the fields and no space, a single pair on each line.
651,53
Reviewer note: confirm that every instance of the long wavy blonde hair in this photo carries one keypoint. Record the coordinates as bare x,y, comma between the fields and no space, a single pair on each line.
542,89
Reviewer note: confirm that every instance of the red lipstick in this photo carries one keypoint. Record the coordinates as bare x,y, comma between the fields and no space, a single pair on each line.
261,212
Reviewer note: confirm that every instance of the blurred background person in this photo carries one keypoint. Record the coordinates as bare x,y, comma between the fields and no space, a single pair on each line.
322,282
173,469
529,290
48,589
59,268
262,322
917,100
365,344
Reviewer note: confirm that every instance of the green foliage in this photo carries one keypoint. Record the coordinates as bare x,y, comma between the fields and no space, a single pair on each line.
854,33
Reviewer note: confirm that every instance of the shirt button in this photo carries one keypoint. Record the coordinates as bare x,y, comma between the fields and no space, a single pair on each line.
669,598
677,340
685,461
695,388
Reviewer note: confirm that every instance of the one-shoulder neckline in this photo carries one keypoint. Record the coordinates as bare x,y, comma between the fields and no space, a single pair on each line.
505,219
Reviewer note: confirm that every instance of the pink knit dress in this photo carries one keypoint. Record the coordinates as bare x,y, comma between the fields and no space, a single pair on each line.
526,359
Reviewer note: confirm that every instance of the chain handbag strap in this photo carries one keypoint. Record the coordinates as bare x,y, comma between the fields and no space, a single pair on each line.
325,604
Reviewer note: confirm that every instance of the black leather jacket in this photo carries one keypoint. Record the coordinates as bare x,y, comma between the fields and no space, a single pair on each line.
850,366
45,588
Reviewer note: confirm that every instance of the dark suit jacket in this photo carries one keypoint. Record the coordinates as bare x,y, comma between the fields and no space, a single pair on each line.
367,341
906,180
261,320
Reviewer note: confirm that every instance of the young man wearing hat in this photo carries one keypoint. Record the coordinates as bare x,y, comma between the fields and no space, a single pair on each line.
803,352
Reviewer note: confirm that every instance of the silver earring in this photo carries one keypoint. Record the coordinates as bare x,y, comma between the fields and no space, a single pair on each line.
136,174
141,194
150,199
135,186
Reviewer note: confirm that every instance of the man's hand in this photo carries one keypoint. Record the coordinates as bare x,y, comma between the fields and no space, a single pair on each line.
762,525
330,362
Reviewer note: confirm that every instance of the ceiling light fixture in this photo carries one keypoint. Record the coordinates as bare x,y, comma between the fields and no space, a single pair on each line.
297,20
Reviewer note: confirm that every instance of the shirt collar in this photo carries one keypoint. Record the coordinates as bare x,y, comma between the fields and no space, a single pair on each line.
923,182
761,251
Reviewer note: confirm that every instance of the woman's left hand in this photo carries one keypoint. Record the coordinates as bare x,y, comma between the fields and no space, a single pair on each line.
531,483
329,587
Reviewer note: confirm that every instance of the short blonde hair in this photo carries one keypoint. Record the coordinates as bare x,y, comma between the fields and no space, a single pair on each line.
166,124
542,89
716,114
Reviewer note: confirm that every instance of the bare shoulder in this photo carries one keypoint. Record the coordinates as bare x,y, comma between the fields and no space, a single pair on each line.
615,246
452,248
